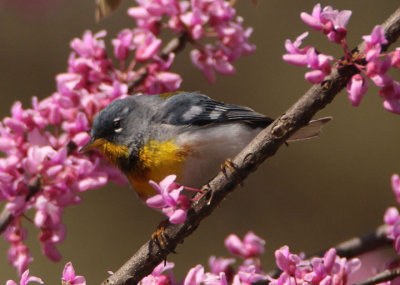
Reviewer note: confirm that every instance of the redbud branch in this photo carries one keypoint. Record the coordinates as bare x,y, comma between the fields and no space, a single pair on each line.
358,245
6,217
262,147
384,276
175,45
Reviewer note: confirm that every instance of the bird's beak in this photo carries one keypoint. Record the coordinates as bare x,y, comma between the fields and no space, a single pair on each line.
93,143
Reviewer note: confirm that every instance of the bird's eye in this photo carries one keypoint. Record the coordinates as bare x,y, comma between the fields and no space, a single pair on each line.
117,125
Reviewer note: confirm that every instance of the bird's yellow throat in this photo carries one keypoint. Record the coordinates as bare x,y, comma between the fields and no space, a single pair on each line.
155,161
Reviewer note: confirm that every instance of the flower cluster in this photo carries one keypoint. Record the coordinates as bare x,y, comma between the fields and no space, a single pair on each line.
328,21
326,270
371,63
392,216
308,56
197,19
25,279
42,168
68,277
221,269
330,269
169,200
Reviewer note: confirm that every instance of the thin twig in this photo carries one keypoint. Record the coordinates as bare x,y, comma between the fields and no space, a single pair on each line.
262,147
384,276
6,217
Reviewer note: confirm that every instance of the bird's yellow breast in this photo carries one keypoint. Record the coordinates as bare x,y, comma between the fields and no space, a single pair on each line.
156,160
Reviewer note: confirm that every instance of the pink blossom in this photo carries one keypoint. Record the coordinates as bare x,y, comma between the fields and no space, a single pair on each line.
69,277
314,76
25,279
373,43
395,56
331,269
356,88
248,275
390,218
216,279
315,20
235,39
391,95
395,181
147,45
210,60
162,82
90,45
156,277
218,265
145,20
172,204
195,276
339,21
18,254
320,63
296,55
123,44
376,71
160,7
287,261
329,21
251,246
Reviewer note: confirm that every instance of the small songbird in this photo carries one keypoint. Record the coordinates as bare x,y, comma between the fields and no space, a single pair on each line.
187,134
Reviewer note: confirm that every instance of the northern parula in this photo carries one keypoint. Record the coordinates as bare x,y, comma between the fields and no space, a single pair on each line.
187,134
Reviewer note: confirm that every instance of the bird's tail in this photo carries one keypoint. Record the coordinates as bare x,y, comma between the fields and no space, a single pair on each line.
311,130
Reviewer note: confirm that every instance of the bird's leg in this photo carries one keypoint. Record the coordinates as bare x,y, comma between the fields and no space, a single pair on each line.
228,164
159,236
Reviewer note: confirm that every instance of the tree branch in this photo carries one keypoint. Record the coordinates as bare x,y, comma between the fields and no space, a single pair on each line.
384,276
262,147
358,245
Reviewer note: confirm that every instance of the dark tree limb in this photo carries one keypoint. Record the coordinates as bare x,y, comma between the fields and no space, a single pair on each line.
384,276
247,161
368,242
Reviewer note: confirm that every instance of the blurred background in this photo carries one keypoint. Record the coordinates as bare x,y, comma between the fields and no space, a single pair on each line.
310,195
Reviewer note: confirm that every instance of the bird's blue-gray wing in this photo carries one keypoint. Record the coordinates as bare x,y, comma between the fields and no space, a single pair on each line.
200,110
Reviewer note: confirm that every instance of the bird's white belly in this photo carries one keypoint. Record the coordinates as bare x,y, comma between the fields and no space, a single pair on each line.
210,147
